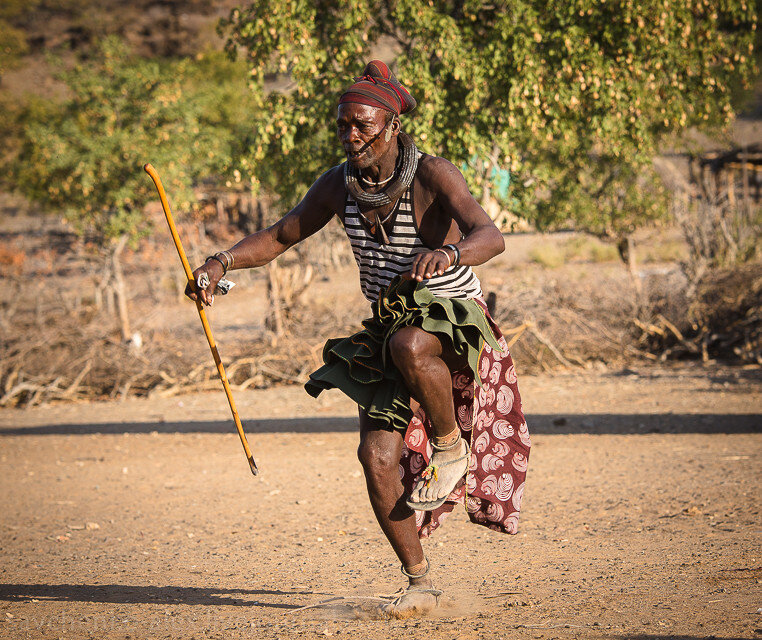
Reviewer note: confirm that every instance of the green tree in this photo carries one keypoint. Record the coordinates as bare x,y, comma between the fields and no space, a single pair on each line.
572,96
84,156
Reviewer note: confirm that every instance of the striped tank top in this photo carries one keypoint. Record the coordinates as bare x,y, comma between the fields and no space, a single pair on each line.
379,264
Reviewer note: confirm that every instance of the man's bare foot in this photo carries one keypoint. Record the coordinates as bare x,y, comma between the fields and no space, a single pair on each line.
440,477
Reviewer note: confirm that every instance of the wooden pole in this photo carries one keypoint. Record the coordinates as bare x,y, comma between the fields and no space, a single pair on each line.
200,307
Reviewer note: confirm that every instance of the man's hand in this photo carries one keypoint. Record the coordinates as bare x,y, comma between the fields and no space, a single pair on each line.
429,264
213,270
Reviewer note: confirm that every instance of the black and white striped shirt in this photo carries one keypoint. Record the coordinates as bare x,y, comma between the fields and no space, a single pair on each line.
379,264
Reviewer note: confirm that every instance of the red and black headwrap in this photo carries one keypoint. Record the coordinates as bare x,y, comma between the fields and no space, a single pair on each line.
378,87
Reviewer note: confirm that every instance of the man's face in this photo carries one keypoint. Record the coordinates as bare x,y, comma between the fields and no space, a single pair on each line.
361,133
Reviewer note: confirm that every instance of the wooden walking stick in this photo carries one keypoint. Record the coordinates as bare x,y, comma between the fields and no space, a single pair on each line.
207,330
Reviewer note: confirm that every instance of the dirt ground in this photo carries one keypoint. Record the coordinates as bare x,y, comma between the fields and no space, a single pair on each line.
140,519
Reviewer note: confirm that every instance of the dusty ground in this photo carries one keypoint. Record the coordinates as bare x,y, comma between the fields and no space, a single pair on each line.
140,519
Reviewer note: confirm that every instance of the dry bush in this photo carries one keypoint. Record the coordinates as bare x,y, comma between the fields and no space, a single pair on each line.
566,324
721,318
719,229
56,344
558,325
60,337
603,321
73,360
717,314
63,349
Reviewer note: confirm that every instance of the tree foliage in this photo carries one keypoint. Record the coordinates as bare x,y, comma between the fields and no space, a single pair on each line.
13,42
572,96
84,156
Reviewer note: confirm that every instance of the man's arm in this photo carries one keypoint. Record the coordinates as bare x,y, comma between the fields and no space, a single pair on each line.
482,240
313,212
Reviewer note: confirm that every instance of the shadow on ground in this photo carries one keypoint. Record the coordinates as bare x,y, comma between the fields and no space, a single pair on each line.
147,594
593,424
673,637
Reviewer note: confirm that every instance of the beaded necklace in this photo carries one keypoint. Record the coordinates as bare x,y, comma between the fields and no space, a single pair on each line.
404,177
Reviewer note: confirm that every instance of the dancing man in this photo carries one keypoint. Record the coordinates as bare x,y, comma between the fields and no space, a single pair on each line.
440,413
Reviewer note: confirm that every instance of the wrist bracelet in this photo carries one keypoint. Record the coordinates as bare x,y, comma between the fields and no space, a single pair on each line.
224,266
227,260
446,255
456,251
229,257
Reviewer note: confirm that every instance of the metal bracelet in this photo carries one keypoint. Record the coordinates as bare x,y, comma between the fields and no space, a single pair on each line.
229,257
420,575
456,251
228,261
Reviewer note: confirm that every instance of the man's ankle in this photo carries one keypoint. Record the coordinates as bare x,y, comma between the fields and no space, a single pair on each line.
423,581
447,441
418,574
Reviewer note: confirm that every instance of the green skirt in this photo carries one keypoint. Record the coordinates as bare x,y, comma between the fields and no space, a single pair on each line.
361,367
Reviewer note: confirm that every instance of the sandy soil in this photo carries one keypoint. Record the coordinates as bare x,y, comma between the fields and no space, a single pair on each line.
140,519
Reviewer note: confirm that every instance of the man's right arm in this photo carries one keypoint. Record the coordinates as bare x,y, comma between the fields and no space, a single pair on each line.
314,211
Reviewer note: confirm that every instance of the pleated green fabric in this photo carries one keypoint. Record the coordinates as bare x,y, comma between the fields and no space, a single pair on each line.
361,367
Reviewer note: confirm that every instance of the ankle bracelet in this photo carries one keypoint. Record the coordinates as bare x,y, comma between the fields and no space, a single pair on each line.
446,447
406,573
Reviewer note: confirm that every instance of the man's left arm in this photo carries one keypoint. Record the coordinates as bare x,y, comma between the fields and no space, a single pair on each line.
482,240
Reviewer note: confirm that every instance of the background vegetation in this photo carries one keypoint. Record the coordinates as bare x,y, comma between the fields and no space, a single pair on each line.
573,103
573,99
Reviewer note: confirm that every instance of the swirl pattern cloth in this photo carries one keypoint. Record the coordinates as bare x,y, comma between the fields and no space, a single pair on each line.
491,420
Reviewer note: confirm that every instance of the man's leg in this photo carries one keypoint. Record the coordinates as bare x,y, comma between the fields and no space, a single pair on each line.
379,453
420,357
426,365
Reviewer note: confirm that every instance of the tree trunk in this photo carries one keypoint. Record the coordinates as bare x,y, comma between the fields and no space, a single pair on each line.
487,179
626,248
260,222
274,320
120,290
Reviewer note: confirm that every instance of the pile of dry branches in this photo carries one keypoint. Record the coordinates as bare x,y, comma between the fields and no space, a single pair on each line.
722,320
70,359
569,324
58,344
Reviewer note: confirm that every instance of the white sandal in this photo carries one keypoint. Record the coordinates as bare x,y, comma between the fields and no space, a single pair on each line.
432,470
